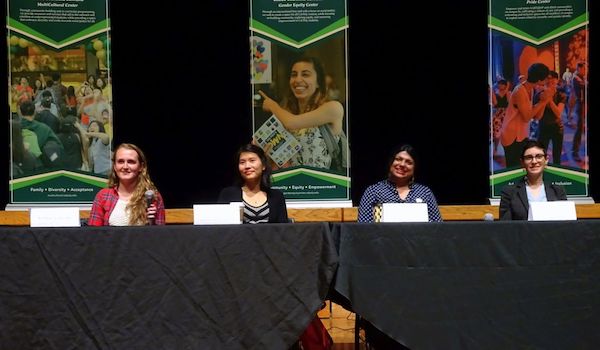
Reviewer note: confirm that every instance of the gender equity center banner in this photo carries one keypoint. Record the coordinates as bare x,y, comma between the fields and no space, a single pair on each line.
555,33
59,62
298,63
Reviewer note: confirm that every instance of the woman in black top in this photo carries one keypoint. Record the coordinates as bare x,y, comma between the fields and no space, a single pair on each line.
515,198
253,187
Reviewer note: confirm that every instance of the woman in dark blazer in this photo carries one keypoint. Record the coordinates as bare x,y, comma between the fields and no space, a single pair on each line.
514,203
262,203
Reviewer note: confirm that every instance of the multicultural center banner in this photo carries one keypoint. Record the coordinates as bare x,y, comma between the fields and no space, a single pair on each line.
60,100
298,61
522,35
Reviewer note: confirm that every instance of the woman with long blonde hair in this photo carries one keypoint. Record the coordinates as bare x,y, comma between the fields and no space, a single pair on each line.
131,198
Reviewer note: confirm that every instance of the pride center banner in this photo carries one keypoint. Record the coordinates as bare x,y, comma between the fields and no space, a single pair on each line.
298,63
554,33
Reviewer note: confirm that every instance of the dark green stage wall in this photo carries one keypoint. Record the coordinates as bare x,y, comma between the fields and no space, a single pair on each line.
181,92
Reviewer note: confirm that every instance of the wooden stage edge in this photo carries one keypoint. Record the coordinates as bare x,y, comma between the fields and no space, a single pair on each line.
449,213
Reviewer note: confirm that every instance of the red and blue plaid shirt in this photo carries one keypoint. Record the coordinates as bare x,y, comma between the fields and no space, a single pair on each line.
105,202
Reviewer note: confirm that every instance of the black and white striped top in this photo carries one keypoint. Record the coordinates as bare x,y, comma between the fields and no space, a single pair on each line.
256,215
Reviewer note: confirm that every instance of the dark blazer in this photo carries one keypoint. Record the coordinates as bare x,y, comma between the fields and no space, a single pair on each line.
514,204
277,208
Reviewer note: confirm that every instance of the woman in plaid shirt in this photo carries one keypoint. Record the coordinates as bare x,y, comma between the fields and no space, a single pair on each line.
124,202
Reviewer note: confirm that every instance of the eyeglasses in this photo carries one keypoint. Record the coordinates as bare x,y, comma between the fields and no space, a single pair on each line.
539,157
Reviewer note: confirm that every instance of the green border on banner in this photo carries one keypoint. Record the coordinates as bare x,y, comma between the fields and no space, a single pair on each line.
39,179
56,187
502,26
260,28
302,183
93,30
334,179
575,183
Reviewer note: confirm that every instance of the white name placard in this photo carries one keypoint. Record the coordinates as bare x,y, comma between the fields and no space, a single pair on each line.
218,214
404,212
552,211
54,217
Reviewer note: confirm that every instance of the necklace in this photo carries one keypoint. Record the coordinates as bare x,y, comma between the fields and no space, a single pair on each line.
252,197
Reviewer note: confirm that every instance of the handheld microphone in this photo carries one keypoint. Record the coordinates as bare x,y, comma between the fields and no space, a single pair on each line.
488,217
149,199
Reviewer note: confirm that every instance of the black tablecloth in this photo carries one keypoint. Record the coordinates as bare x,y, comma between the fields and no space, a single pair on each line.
484,285
169,287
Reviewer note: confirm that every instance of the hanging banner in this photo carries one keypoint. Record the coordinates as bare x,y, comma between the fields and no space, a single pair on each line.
523,34
60,100
298,63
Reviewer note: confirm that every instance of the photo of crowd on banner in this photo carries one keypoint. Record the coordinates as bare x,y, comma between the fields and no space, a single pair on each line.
298,90
539,93
60,107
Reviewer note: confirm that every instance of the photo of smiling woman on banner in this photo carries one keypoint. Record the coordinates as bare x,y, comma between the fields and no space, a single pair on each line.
308,113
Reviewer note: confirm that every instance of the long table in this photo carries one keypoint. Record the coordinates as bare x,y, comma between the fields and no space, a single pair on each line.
475,285
449,213
451,285
169,287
